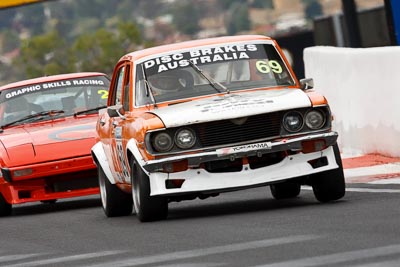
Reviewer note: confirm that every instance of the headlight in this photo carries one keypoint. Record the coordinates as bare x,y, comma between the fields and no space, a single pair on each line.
185,138
293,121
162,142
315,119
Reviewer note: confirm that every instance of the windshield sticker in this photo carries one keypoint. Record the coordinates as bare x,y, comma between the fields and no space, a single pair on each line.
265,67
59,84
201,56
234,103
103,93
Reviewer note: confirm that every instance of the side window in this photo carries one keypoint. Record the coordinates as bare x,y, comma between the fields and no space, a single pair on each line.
140,89
126,88
117,95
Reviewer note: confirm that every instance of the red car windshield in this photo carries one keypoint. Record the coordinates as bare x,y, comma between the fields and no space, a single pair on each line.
63,98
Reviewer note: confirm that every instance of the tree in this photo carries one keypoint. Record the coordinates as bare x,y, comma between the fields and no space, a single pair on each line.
9,41
263,4
101,50
186,17
128,34
43,55
238,19
33,17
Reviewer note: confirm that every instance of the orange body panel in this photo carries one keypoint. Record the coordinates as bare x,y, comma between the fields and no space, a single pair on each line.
317,99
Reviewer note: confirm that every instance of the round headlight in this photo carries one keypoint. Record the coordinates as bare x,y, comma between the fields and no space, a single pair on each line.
185,138
315,119
293,121
162,142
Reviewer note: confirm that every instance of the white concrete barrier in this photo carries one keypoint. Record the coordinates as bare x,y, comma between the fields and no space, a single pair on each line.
362,86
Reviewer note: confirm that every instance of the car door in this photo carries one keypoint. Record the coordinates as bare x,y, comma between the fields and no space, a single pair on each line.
119,161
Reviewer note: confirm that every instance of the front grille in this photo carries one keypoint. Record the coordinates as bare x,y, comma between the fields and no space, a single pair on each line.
227,132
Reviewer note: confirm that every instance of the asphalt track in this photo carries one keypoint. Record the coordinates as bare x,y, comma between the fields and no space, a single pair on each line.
244,228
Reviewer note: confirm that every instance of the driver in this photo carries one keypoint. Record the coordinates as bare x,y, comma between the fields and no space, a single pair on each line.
16,109
171,81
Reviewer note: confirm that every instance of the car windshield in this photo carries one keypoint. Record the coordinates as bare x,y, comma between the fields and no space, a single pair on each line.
44,101
205,71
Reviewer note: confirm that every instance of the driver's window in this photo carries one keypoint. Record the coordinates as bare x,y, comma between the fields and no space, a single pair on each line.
126,89
141,95
118,88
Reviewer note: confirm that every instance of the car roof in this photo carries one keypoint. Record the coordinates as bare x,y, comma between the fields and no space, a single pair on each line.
51,78
189,44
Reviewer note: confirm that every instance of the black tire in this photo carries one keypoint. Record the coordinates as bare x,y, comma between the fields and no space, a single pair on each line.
147,208
50,202
5,207
330,185
287,189
114,201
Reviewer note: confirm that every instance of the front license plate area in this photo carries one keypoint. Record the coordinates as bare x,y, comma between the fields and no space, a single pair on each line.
243,148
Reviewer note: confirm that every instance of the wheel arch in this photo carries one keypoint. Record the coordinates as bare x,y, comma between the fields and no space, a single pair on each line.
132,152
100,160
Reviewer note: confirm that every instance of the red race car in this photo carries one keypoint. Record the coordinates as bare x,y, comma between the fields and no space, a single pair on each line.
47,128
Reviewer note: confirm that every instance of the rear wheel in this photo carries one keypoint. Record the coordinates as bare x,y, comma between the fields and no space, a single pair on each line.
148,208
5,207
329,185
115,202
287,189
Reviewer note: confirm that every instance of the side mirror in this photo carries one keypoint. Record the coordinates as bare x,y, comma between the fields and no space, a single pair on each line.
114,112
306,84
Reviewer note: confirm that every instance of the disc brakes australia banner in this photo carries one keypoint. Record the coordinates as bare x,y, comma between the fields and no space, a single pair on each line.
13,3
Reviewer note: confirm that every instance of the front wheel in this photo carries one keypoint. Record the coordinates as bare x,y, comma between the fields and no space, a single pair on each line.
148,208
115,202
5,207
330,185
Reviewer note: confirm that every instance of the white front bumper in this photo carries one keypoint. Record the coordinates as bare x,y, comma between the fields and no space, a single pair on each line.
199,180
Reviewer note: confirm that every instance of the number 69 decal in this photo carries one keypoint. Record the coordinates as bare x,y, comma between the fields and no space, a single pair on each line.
103,93
266,67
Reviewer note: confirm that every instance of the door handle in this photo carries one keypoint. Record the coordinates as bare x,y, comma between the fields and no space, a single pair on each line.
102,122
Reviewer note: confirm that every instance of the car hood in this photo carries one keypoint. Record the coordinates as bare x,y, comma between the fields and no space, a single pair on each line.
47,141
233,105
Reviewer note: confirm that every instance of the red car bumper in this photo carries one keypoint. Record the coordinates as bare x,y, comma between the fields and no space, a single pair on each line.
48,181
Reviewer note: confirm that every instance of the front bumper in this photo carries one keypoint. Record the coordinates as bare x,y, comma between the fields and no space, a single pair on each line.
50,168
50,180
194,160
199,180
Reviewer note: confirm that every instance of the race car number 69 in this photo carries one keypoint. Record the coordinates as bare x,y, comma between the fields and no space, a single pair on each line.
265,67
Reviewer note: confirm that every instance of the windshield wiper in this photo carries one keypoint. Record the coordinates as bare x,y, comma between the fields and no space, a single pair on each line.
88,110
210,79
35,117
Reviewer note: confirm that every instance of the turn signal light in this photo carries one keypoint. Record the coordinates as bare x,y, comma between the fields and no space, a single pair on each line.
178,166
313,145
24,172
